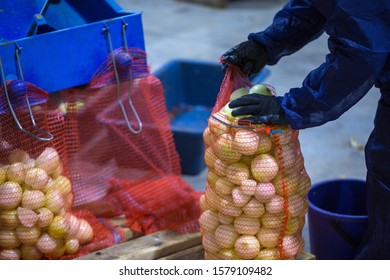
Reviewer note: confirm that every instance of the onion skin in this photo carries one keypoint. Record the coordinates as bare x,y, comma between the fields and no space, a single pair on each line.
10,254
247,247
48,160
10,195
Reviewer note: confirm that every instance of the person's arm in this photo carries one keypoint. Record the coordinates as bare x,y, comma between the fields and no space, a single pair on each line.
294,26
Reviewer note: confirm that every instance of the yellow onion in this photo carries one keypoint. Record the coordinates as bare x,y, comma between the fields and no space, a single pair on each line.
210,256
18,155
203,203
212,199
46,243
290,246
209,220
264,168
286,185
37,178
248,186
59,251
246,142
212,178
228,208
304,185
57,172
28,235
225,219
74,225
33,199
48,160
268,254
45,217
72,246
59,227
226,236
254,208
223,186
239,198
9,239
16,173
297,206
247,246
220,125
209,158
209,243
268,237
27,217
247,225
10,254
3,174
228,254
265,192
224,149
85,232
275,205
9,219
237,172
30,252
287,156
208,137
10,195
284,137
265,143
63,184
54,201
220,167
270,220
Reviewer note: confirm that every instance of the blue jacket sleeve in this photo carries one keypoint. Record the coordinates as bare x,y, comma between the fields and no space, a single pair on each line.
294,26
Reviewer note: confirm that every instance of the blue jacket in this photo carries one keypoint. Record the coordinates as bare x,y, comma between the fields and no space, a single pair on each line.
358,59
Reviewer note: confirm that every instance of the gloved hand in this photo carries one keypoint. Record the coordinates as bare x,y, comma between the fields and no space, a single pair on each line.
262,108
250,57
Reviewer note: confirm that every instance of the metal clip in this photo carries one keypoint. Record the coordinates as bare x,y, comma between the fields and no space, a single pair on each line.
107,29
50,136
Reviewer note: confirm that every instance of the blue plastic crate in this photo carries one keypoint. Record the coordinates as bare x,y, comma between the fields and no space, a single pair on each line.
191,88
63,42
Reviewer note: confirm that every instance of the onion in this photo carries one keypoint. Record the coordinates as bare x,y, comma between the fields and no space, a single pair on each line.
59,251
265,143
265,192
246,225
46,243
18,155
228,208
226,236
268,254
72,246
48,160
209,220
209,158
264,168
294,225
28,164
254,208
286,185
28,235
247,246
10,254
27,217
9,219
287,156
223,186
212,178
63,184
268,237
33,199
246,142
248,186
297,206
210,256
238,93
237,172
270,220
58,171
212,199
16,173
225,219
37,178
10,195
239,199
45,217
284,137
74,225
54,201
209,243
304,184
275,205
290,246
30,252
3,174
9,239
85,232
224,149
59,227
216,126
208,137
220,167
228,254
203,203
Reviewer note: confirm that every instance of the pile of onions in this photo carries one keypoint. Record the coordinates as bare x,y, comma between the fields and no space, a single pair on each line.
255,203
35,204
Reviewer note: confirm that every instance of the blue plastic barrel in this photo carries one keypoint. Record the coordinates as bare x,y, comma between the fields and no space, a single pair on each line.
337,218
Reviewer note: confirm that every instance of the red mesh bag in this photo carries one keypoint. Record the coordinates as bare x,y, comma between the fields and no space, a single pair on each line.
122,155
255,203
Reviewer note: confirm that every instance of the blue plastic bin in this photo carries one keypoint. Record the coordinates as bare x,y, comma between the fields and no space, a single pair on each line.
337,218
191,88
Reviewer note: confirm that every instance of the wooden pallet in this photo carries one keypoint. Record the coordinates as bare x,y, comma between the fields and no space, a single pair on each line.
166,245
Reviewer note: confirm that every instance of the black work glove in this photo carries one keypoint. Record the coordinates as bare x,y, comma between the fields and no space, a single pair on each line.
262,108
249,56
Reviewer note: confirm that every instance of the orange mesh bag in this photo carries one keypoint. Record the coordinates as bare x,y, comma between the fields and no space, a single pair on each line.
123,159
255,203
36,218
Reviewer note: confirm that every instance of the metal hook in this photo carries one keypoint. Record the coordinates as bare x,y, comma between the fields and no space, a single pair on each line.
107,29
50,136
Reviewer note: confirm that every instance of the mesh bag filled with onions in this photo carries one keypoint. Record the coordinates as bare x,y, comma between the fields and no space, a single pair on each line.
36,218
255,202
